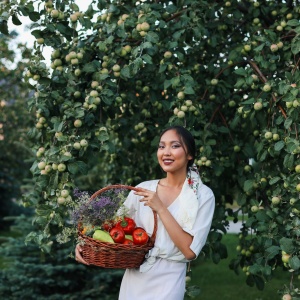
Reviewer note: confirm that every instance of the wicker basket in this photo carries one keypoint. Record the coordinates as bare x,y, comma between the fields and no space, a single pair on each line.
114,255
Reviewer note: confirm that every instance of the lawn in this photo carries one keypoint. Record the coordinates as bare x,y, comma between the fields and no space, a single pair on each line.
217,281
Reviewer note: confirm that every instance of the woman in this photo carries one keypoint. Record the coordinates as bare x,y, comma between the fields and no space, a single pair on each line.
184,206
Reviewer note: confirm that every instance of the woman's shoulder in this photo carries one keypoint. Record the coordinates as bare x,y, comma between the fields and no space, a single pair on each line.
206,191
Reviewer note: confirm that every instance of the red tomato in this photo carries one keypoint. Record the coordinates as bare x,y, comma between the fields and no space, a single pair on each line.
108,225
140,236
128,242
127,224
117,234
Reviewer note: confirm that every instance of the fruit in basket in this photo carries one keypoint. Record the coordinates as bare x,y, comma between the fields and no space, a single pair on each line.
128,242
127,224
102,236
128,237
140,236
117,234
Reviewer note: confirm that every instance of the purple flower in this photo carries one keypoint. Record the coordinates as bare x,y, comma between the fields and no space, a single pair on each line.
96,211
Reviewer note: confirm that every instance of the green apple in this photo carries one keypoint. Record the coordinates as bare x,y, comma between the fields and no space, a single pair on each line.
77,123
73,18
181,114
145,26
94,93
256,132
48,168
83,143
276,137
181,95
258,106
54,13
236,148
76,145
247,168
268,135
40,41
116,68
279,45
94,84
286,297
74,61
61,200
247,48
208,163
41,165
266,88
61,167
168,54
275,200
231,103
77,72
256,21
64,193
214,81
188,103
36,77
274,47
285,257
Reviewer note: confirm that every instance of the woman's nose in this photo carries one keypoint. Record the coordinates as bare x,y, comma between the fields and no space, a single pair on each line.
167,151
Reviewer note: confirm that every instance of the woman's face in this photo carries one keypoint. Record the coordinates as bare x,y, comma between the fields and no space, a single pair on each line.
171,153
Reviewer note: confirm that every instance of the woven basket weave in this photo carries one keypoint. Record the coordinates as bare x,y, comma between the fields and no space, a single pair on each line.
114,255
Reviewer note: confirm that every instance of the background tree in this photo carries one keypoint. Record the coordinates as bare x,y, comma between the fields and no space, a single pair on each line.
123,70
15,121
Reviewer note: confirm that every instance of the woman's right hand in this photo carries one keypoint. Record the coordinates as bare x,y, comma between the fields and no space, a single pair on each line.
78,256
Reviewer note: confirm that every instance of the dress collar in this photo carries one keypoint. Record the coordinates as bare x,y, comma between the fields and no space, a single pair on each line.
188,198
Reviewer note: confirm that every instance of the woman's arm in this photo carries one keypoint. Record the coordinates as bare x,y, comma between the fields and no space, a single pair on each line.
180,238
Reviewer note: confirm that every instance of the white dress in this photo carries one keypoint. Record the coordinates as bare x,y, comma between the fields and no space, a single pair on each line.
162,275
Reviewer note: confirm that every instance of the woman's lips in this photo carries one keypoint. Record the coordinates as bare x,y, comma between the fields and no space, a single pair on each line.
168,161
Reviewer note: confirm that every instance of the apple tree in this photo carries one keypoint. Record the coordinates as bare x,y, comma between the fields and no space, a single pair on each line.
121,71
15,120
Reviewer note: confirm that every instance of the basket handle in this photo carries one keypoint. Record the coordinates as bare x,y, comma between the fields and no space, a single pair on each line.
123,186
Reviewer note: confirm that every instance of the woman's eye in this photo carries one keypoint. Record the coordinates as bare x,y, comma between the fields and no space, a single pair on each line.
160,146
176,146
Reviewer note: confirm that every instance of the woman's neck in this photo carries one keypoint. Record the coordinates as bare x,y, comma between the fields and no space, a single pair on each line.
174,181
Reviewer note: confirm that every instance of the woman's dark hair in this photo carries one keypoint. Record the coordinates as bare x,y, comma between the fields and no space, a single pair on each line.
186,139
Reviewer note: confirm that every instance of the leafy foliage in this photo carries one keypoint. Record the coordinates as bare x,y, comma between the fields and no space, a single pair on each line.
30,274
124,70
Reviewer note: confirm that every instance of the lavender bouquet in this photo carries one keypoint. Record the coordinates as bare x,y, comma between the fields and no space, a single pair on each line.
91,214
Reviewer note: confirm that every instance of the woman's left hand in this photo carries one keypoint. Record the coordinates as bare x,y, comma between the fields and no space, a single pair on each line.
150,199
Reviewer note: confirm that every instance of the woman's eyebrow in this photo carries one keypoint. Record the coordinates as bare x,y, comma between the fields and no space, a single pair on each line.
162,142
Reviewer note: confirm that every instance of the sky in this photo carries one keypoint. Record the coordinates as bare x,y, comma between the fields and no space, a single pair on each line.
27,38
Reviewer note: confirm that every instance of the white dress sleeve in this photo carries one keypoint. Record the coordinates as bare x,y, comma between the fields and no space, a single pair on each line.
203,221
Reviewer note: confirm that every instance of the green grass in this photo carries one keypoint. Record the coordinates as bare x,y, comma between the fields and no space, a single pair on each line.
218,282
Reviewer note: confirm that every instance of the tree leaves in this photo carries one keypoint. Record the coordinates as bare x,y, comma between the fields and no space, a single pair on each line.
192,67
77,167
